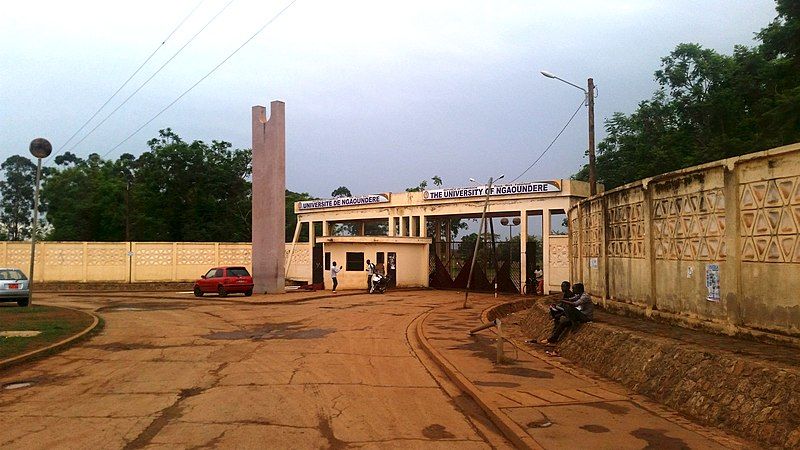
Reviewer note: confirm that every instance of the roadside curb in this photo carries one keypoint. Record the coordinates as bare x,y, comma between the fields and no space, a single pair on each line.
509,428
60,345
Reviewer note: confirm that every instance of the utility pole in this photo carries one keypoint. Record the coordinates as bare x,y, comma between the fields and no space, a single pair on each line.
40,148
478,237
592,171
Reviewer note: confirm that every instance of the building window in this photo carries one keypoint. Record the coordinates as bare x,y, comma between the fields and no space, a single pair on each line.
327,260
355,261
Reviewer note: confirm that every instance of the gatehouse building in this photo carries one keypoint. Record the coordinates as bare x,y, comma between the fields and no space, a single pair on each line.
427,238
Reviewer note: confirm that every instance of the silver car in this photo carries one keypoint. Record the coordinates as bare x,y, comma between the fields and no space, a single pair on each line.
14,286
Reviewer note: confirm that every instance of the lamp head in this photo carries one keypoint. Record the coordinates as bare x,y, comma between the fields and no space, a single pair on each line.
472,180
547,74
500,177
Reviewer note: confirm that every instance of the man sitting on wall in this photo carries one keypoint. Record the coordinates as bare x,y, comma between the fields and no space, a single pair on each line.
577,310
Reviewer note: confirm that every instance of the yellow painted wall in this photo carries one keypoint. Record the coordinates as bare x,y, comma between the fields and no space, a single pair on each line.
652,243
137,261
412,263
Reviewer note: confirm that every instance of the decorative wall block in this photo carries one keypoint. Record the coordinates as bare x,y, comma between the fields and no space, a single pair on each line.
626,226
770,220
64,256
106,256
197,256
559,256
235,256
690,227
154,257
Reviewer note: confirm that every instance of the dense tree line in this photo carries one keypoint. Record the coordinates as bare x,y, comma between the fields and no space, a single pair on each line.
175,191
710,106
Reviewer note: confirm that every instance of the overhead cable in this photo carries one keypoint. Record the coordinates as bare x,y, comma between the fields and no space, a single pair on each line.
269,22
551,143
153,75
163,42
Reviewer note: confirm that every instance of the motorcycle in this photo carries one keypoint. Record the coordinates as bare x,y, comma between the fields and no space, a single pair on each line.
379,284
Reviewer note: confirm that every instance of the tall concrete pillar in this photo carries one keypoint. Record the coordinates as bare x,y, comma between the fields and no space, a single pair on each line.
523,247
546,248
269,198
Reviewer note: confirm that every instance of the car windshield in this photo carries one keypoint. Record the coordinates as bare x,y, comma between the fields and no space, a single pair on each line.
238,272
12,274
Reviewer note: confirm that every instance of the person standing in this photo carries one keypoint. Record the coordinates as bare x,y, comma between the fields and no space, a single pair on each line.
538,274
370,272
335,270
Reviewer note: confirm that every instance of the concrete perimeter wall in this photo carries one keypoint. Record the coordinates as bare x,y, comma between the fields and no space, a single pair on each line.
138,261
717,243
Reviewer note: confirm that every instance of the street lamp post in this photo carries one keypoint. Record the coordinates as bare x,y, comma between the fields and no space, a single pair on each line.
590,103
478,240
40,148
512,223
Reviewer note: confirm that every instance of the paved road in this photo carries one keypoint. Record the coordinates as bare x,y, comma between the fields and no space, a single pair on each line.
322,373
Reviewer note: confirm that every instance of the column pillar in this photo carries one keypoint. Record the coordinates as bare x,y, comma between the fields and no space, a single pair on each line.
546,248
391,225
326,231
269,193
423,227
412,226
311,234
402,226
523,247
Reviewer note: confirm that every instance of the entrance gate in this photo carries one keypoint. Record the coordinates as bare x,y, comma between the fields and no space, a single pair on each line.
497,262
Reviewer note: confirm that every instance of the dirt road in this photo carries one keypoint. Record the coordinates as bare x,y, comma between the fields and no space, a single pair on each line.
325,373
172,371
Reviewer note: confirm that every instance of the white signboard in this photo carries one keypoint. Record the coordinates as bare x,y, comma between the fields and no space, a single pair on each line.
539,187
344,201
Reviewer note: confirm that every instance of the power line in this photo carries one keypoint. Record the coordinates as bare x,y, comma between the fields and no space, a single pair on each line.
269,22
163,42
551,143
153,75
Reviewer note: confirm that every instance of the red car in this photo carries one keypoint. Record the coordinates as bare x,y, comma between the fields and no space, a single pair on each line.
224,281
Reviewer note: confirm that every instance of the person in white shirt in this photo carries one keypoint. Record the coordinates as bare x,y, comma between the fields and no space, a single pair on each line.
538,274
370,272
334,271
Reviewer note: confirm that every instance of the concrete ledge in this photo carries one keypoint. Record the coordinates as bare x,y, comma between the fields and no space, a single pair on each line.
698,323
509,428
52,348
752,398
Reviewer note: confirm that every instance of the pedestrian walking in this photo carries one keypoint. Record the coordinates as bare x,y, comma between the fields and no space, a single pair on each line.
334,271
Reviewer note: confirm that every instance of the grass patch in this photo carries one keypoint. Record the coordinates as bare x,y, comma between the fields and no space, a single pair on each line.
54,323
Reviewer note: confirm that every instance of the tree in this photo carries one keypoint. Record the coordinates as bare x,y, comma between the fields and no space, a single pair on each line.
86,200
341,191
176,191
17,191
291,217
709,106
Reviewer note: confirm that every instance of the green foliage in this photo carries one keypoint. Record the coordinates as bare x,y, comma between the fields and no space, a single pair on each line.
709,106
177,191
17,189
437,181
291,217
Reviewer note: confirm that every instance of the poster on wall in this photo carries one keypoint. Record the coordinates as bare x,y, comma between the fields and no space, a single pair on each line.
712,282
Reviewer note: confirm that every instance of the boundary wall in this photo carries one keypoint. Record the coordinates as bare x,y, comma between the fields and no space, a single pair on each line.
717,244
135,262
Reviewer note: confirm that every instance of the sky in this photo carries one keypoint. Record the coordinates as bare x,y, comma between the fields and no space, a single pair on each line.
379,95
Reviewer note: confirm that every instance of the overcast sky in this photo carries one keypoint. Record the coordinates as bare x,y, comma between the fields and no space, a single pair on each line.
379,94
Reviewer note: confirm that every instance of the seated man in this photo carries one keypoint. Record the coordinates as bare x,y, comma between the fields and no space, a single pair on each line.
556,310
578,309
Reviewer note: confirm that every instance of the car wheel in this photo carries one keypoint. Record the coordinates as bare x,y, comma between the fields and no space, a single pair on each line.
248,293
222,291
198,292
25,302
